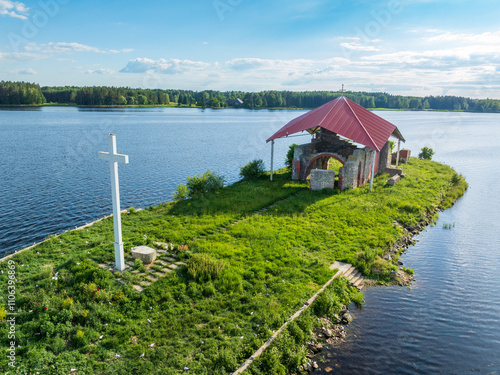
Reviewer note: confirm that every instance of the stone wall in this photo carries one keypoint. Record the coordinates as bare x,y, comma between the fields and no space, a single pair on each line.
357,170
357,162
322,179
385,157
315,155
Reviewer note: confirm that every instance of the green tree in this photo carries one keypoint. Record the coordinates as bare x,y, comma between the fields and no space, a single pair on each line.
426,153
289,155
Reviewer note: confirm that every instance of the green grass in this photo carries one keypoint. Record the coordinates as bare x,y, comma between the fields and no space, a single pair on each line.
247,271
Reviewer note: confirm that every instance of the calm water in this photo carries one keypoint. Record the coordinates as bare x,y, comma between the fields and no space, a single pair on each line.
52,179
449,322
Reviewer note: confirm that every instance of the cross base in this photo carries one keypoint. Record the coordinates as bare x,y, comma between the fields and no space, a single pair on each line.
119,257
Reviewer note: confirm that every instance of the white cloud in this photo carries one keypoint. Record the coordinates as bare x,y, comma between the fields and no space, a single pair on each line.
100,71
20,56
358,47
163,66
28,71
65,47
13,9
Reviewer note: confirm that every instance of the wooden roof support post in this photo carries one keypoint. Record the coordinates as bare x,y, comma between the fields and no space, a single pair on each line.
272,157
373,170
397,155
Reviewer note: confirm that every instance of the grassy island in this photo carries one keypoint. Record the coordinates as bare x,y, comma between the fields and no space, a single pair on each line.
251,254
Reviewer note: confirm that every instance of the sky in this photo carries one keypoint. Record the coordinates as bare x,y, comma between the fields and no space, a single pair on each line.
405,47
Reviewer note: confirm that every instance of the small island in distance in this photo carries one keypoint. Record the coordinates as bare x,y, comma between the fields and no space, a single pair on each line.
32,94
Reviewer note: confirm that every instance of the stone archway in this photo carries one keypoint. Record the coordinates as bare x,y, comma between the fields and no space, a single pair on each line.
320,161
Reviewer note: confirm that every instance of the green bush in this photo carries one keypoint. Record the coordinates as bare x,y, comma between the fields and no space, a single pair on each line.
205,183
199,185
252,170
357,298
289,155
426,153
181,192
327,304
456,179
202,266
409,271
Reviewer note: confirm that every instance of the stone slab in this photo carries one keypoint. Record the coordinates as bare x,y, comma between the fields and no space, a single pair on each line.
138,287
322,179
393,180
144,253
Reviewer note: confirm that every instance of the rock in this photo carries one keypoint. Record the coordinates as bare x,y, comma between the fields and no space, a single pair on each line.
315,365
315,347
144,253
328,333
347,318
393,180
307,367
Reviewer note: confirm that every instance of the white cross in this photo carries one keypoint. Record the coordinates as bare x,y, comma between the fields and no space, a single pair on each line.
114,159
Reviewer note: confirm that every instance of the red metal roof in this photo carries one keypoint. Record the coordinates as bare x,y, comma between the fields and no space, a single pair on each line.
347,119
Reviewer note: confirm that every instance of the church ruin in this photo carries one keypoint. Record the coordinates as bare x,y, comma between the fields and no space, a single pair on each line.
327,124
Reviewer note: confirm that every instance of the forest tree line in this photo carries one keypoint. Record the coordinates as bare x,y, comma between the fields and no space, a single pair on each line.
22,93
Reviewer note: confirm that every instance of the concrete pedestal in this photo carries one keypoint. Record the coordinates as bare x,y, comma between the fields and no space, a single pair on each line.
144,253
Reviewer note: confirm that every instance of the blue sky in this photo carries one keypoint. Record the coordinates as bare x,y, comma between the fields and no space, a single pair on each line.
411,47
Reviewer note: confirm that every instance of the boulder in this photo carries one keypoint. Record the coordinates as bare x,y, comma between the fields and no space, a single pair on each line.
347,318
144,253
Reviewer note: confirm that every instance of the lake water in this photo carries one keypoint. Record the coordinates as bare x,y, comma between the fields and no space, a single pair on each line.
52,179
449,322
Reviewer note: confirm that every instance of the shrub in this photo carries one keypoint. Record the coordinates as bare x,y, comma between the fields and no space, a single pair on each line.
456,179
289,155
203,267
205,183
67,303
409,271
252,170
199,185
392,144
426,153
357,298
327,304
181,192
131,210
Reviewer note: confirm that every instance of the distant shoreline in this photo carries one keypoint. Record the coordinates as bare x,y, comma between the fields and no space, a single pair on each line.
217,108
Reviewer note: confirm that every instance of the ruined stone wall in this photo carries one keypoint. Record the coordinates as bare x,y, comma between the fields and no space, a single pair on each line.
357,170
315,155
322,179
385,157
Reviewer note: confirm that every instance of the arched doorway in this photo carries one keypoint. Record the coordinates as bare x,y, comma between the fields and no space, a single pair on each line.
321,161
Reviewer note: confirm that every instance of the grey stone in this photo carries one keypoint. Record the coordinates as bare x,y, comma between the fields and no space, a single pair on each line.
322,179
393,180
347,318
144,253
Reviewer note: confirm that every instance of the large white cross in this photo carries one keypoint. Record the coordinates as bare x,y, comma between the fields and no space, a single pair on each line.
114,159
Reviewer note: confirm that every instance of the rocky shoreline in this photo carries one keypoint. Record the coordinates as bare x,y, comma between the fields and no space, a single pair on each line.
333,331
